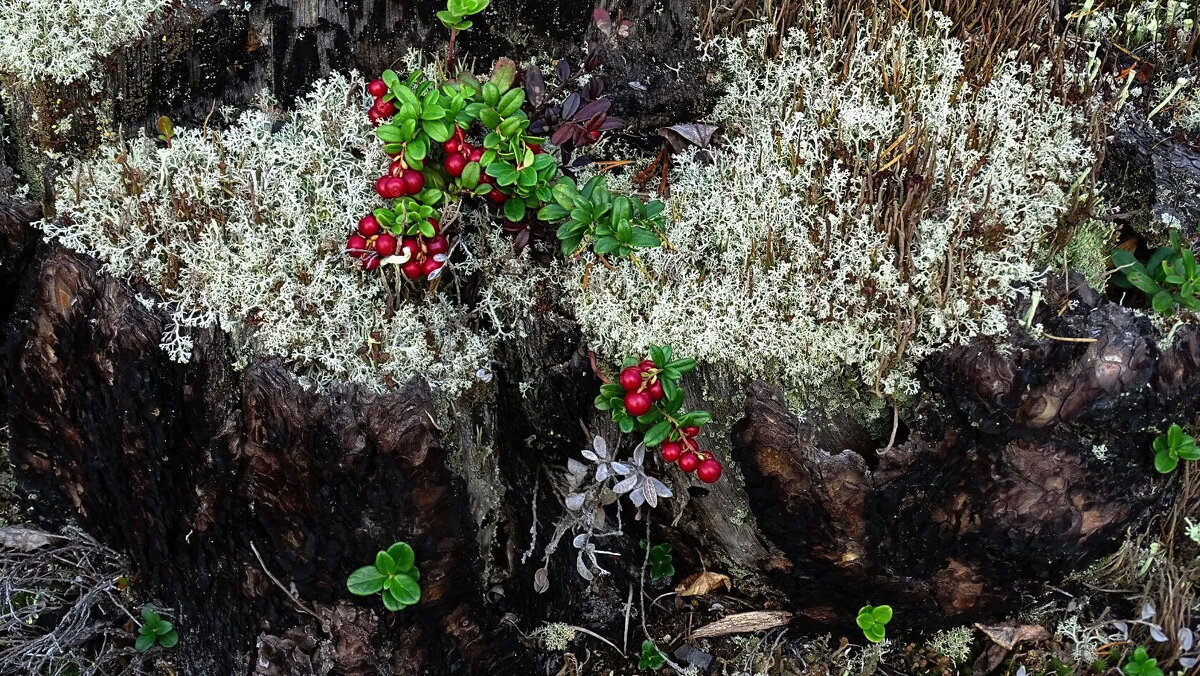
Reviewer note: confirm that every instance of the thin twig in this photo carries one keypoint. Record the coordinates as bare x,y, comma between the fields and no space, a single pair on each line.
291,596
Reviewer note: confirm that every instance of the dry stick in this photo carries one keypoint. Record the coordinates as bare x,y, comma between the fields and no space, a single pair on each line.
291,595
1070,340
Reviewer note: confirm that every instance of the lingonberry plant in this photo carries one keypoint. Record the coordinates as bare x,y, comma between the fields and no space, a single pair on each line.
611,224
1172,447
393,575
455,18
155,631
872,620
1169,278
647,398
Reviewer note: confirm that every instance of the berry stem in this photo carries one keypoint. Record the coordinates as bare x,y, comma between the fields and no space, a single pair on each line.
450,53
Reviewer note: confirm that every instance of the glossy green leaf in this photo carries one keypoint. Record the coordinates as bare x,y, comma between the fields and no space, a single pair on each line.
366,581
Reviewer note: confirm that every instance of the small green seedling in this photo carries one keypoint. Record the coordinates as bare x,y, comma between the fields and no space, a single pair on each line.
662,564
1173,446
1141,664
455,15
155,630
611,224
393,574
871,619
651,658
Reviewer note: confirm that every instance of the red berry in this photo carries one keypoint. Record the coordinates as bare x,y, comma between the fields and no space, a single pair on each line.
476,155
709,471
454,165
691,431
646,365
631,379
459,133
655,390
671,450
430,266
496,197
484,178
368,226
437,225
385,108
381,186
536,148
396,187
437,245
385,244
689,444
637,403
451,146
414,181
397,168
594,135
371,262
409,244
356,245
689,461
411,269
374,116
377,88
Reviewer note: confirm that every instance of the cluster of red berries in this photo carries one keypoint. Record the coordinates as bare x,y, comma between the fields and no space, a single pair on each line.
400,181
426,255
459,154
642,389
381,110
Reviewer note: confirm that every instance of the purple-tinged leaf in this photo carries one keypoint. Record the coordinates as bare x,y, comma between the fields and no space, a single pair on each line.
594,89
569,106
611,123
562,71
624,28
602,20
583,161
535,86
563,134
591,109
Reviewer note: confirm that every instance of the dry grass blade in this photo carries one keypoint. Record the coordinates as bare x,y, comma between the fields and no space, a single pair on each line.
744,623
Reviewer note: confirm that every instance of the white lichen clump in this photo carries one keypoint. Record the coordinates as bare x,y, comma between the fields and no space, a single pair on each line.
63,40
953,643
244,228
792,259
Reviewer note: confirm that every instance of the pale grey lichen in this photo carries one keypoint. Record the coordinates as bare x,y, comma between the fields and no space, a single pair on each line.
1088,250
243,228
954,643
784,265
62,40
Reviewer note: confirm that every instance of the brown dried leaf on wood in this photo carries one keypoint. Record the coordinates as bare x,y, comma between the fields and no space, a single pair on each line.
1009,635
699,584
680,136
744,623
24,538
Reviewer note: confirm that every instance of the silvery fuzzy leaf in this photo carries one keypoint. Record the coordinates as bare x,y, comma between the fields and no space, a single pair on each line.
587,453
575,467
1186,639
1188,662
638,497
575,501
1123,628
541,580
601,446
659,487
582,568
580,540
1021,671
639,454
625,485
620,468
441,258
1147,610
484,374
1157,634
601,471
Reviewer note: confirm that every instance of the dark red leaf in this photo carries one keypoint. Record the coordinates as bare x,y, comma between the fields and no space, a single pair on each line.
611,123
535,86
569,106
595,87
591,109
564,134
603,20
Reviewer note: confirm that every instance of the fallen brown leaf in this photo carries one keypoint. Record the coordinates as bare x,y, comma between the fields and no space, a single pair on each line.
744,623
1008,635
699,584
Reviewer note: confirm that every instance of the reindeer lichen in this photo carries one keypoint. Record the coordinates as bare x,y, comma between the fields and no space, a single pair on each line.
243,228
62,40
870,205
